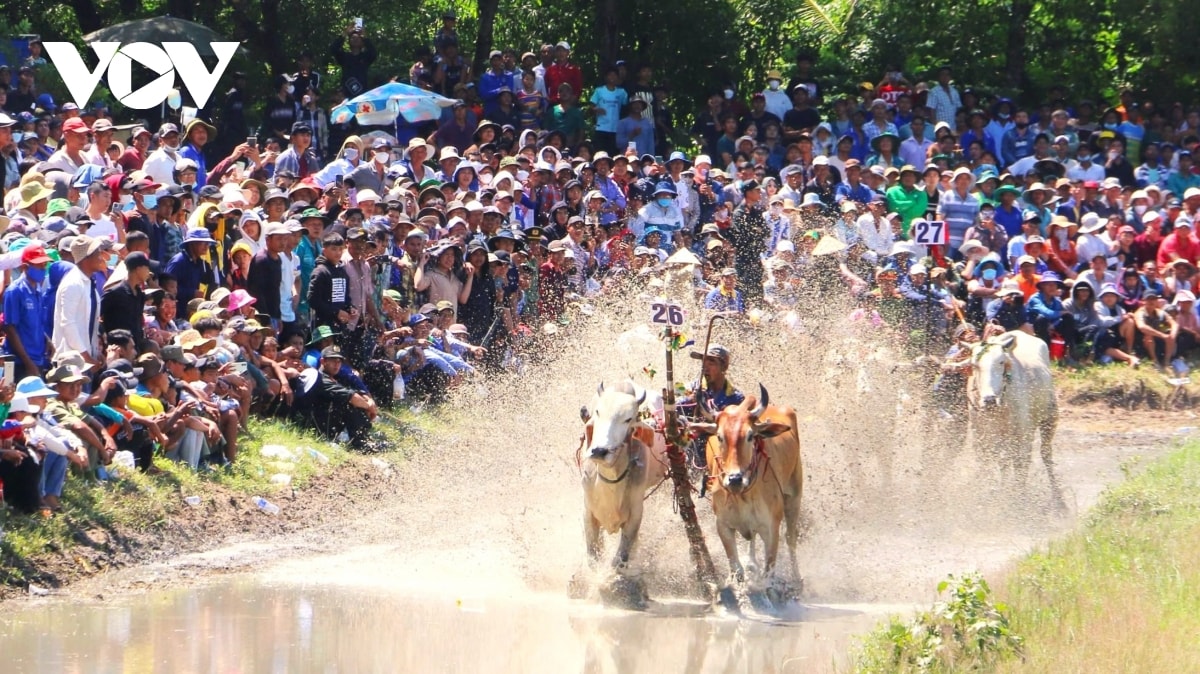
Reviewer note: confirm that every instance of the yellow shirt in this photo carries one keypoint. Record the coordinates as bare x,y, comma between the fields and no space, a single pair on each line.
144,406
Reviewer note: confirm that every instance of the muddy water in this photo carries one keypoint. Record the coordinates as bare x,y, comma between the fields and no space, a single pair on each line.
465,569
253,626
481,606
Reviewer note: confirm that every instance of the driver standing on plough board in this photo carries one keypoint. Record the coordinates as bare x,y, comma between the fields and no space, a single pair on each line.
717,390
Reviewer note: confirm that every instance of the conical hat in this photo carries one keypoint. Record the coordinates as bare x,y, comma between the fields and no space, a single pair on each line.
683,256
829,245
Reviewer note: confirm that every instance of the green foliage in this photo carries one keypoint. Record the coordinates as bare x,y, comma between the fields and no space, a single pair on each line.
966,630
1092,47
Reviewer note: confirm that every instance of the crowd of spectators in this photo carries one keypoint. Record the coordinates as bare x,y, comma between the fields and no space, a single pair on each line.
158,293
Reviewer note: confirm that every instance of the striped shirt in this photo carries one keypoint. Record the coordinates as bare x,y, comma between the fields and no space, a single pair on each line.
959,214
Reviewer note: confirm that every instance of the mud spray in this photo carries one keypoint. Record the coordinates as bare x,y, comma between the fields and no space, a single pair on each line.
891,503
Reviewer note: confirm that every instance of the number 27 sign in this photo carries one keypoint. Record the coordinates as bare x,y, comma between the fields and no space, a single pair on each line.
930,233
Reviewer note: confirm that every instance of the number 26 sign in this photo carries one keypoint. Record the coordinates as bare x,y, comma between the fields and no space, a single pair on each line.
930,233
663,312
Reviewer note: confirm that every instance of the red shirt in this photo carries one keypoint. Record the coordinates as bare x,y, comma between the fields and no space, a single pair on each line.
131,160
558,73
552,291
1144,250
1188,249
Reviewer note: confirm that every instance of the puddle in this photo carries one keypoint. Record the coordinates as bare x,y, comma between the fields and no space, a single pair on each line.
256,625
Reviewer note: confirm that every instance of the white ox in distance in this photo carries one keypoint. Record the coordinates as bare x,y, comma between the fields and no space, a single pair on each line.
1011,392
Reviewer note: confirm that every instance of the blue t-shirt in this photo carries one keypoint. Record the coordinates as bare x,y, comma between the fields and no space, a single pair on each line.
611,103
24,310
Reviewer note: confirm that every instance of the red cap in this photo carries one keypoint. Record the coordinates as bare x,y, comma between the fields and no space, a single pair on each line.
75,125
1091,185
34,255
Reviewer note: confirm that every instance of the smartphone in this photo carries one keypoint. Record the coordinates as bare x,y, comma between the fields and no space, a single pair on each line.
358,23
339,181
631,146
252,141
10,372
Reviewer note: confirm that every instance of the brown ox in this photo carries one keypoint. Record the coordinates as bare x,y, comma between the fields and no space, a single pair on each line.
755,476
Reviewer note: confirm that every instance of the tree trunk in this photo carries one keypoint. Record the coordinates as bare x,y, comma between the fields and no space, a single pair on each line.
1014,54
181,9
487,26
609,31
88,16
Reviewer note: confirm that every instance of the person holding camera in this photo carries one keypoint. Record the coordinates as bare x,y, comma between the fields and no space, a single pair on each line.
355,61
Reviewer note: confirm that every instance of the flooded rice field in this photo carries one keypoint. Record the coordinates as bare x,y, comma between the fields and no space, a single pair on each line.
466,568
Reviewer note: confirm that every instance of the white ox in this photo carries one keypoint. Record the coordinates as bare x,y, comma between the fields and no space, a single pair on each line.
1012,395
624,458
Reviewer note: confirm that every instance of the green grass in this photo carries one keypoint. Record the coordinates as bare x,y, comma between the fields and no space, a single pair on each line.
135,502
1121,595
1097,381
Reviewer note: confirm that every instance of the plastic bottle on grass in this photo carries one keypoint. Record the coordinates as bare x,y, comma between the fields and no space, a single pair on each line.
316,454
192,500
266,506
398,388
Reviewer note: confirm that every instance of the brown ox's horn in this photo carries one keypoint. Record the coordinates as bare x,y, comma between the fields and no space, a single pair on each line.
763,400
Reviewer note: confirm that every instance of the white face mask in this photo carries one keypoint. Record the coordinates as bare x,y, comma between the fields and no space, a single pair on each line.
290,89
1061,235
381,157
126,199
1140,210
774,85
728,93
351,154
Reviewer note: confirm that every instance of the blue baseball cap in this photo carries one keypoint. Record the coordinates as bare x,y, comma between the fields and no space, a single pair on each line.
197,235
86,175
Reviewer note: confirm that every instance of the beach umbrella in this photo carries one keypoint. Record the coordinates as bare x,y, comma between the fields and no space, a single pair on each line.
384,104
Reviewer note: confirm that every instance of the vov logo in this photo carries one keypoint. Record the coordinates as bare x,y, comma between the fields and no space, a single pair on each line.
117,60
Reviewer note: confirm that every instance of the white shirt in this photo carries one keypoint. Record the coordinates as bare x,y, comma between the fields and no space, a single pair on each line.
289,271
876,235
1093,171
159,166
1088,246
103,227
778,102
73,308
93,155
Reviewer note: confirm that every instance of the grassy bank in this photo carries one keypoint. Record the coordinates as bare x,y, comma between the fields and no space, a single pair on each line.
1120,595
136,516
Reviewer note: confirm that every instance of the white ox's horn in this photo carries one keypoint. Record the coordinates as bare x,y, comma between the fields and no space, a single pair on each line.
764,399
705,406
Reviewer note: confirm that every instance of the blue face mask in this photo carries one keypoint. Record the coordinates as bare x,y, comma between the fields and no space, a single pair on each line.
989,274
126,208
35,275
150,201
665,202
